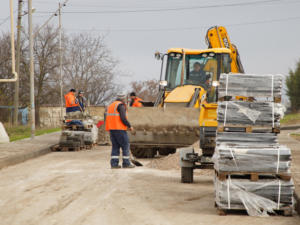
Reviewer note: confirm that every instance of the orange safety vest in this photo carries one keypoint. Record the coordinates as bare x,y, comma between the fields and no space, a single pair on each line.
71,100
137,102
113,120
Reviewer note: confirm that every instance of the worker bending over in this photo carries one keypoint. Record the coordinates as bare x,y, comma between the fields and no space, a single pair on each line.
72,104
135,101
117,124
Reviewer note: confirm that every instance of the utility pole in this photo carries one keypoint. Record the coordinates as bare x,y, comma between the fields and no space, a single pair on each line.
60,62
16,97
32,106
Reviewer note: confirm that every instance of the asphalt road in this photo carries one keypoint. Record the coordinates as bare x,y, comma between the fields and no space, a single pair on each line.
80,188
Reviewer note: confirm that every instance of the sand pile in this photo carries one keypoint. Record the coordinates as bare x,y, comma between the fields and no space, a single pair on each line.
165,162
171,162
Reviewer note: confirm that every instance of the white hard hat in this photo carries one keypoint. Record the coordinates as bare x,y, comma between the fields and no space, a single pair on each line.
121,96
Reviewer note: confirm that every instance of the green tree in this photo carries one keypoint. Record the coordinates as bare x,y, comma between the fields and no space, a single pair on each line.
293,88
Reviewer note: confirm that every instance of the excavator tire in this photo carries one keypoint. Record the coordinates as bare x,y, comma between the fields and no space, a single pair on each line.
143,152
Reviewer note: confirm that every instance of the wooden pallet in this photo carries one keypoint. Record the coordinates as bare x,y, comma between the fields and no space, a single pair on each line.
55,148
253,176
284,210
70,149
245,99
247,129
58,148
90,146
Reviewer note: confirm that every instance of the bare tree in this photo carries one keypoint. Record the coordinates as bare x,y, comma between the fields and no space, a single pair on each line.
87,65
46,50
6,89
90,67
147,90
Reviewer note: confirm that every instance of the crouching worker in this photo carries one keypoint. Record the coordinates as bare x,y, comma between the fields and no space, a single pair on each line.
117,124
135,101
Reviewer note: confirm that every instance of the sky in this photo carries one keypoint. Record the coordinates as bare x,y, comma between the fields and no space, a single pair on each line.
266,32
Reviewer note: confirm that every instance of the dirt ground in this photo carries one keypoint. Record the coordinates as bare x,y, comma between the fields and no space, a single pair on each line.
80,188
286,139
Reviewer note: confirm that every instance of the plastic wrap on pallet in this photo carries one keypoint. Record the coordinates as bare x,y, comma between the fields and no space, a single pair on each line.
250,85
252,158
247,139
258,198
250,113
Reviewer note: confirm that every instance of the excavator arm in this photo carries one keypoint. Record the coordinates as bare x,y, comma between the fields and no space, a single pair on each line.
217,37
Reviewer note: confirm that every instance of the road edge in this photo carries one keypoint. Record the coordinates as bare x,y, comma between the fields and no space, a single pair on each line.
290,127
16,159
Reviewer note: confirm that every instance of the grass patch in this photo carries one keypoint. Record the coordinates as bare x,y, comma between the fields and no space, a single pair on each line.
291,118
21,132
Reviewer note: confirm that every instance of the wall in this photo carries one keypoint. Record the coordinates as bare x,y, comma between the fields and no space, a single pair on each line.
51,116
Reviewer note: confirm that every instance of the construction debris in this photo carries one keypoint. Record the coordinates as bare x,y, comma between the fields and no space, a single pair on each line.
252,171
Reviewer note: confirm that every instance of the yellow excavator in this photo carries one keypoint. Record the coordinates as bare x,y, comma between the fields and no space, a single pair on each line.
185,108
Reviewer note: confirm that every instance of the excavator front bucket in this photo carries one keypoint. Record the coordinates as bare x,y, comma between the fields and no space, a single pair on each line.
162,129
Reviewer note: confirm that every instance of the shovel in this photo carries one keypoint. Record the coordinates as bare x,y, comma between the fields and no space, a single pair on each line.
132,158
134,161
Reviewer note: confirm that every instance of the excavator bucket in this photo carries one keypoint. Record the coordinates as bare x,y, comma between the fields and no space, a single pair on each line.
162,129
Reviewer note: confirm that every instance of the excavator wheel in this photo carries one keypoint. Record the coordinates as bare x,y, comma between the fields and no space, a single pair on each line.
143,152
166,151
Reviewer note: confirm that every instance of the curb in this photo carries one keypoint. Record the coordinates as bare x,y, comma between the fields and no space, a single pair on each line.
13,160
291,127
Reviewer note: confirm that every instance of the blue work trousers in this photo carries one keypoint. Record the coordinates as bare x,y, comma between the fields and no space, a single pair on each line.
119,139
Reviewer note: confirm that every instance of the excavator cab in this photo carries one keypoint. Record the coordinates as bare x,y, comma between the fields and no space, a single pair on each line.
195,69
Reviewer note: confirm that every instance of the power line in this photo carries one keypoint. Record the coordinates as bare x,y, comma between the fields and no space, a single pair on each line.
135,4
6,19
191,28
53,15
169,9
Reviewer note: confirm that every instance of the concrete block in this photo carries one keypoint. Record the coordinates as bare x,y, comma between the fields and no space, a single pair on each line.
3,135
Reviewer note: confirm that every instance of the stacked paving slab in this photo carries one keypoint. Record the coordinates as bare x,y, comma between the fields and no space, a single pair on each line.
78,136
252,171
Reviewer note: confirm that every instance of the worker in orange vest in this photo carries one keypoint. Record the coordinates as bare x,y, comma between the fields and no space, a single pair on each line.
117,124
72,104
135,101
